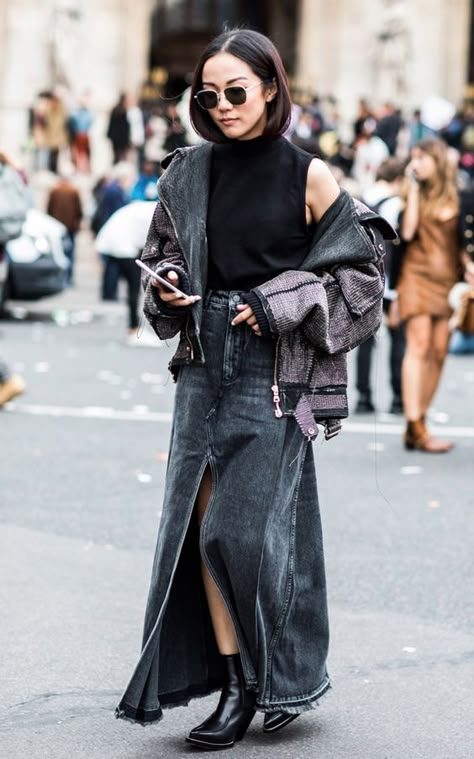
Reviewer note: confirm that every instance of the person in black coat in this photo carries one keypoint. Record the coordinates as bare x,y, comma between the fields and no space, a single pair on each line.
118,130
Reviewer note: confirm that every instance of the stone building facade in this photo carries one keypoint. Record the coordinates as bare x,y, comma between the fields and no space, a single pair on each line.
398,50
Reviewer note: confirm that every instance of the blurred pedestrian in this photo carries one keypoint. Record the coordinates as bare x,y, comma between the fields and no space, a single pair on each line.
55,130
370,151
146,186
384,198
114,194
176,132
417,129
155,135
365,115
80,124
11,385
64,204
137,131
388,127
462,338
467,141
120,242
13,208
118,130
37,119
430,267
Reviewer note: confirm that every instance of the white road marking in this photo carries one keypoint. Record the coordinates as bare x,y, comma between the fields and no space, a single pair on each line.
91,412
165,417
380,428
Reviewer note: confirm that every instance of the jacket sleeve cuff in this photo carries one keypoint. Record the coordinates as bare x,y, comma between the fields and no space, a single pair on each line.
152,294
256,305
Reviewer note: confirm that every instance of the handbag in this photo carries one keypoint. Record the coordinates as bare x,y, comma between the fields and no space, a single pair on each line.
464,314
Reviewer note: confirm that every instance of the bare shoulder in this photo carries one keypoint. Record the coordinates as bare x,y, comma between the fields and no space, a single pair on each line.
321,188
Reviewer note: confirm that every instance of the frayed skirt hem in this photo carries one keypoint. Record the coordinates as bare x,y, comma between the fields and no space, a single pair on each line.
152,717
296,706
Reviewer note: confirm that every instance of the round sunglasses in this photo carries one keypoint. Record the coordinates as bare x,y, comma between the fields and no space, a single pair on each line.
235,95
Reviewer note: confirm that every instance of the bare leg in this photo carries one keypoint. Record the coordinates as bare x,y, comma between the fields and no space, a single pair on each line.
221,619
415,365
439,350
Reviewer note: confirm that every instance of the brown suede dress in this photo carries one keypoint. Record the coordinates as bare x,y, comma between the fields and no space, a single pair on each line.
430,267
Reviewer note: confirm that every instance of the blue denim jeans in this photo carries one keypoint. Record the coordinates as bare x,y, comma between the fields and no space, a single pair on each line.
260,538
461,342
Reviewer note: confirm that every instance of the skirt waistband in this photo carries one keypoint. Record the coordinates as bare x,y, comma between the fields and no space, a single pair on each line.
224,298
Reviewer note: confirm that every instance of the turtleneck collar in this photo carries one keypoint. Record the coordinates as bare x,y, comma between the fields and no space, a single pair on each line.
257,145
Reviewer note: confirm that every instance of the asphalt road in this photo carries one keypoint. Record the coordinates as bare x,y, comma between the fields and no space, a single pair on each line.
83,460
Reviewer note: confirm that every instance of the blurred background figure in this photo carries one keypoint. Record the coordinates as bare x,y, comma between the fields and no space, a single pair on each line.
37,123
388,127
111,193
55,130
176,132
364,114
384,198
370,151
14,203
79,125
64,204
417,130
118,130
114,193
120,242
155,136
146,186
137,131
461,297
430,267
11,385
466,141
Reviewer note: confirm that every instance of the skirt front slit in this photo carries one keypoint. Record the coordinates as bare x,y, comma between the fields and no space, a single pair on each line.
260,538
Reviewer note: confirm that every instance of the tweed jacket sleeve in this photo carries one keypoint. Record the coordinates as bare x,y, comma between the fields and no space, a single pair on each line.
162,253
336,310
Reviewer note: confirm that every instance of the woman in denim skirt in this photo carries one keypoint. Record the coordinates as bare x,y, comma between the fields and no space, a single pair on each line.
281,276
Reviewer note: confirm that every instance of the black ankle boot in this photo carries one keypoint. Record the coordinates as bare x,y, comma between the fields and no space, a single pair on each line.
274,721
234,713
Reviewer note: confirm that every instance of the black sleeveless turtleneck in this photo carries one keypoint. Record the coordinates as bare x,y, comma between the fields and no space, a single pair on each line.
256,221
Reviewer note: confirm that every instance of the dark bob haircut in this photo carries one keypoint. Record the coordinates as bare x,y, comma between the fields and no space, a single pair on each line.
258,52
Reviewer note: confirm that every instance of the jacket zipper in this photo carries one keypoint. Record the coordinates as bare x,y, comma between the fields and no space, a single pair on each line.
190,342
275,388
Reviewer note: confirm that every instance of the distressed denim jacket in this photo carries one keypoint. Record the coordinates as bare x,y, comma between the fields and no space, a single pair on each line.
315,314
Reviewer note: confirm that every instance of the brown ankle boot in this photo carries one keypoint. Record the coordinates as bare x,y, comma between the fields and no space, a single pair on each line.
418,438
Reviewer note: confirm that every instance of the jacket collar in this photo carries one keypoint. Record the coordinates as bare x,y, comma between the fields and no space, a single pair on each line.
342,235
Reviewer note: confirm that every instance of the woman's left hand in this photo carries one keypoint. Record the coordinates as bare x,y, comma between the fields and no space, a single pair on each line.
246,315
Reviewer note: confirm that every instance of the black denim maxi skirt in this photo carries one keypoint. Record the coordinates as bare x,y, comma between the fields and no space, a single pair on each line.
260,538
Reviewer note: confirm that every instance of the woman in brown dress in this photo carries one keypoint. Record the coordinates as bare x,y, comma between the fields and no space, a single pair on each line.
431,266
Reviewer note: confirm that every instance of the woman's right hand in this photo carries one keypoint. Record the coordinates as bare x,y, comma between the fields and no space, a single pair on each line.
171,298
411,176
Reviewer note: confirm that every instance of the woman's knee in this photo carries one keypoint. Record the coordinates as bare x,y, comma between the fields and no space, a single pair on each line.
418,348
419,338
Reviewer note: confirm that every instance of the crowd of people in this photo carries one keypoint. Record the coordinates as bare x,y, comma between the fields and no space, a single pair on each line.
383,164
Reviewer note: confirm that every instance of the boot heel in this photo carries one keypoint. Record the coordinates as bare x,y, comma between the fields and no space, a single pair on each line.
244,726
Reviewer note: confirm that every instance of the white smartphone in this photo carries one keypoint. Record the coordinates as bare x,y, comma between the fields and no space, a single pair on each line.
162,281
